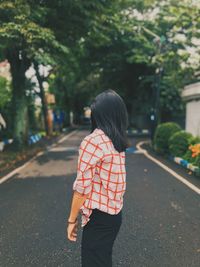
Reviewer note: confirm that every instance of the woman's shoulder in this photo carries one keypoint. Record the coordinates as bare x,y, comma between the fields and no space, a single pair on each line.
91,143
99,139
97,136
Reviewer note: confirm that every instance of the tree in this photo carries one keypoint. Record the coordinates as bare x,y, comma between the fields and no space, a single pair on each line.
24,38
178,23
5,92
130,59
94,45
75,80
39,32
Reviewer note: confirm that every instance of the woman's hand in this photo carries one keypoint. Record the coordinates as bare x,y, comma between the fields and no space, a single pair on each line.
72,231
77,201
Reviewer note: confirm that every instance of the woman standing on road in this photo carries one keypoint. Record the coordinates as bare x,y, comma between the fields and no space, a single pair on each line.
101,181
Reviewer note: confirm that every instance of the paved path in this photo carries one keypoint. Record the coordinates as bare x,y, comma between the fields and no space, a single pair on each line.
161,216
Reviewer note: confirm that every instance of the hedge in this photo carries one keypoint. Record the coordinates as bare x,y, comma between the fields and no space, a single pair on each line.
179,143
162,135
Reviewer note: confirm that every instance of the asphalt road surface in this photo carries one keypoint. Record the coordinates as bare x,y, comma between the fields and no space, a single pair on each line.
161,216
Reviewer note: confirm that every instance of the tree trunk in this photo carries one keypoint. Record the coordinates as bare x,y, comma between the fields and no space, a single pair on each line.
42,96
19,66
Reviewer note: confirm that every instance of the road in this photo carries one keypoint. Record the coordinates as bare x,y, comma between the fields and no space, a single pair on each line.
161,216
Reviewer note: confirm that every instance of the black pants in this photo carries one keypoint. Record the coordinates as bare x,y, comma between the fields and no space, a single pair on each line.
98,238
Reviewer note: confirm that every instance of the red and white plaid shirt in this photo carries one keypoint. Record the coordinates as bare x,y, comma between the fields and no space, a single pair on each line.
101,172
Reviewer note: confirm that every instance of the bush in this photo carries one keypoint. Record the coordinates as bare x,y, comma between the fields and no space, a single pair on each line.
162,134
193,160
195,140
179,143
197,161
188,156
193,154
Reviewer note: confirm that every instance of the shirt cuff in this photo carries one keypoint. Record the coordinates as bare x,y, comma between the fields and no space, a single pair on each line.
82,190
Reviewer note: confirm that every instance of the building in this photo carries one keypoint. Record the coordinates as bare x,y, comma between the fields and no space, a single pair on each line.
191,95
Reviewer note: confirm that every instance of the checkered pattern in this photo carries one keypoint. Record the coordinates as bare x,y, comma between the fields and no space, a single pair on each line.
101,173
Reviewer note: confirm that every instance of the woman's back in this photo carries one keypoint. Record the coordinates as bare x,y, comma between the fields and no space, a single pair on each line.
101,172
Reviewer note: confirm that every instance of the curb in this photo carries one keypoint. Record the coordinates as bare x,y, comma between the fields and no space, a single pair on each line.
34,138
179,177
184,163
5,142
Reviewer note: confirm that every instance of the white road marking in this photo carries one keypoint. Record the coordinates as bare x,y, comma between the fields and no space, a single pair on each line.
138,152
66,137
10,174
61,149
176,175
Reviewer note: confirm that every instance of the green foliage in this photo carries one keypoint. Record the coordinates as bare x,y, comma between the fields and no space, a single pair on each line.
195,140
23,29
5,92
188,155
93,45
197,161
127,58
25,37
193,160
179,143
162,135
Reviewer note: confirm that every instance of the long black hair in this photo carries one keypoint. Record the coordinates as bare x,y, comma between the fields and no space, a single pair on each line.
109,113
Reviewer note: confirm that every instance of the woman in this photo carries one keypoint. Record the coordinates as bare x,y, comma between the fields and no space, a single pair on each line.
101,181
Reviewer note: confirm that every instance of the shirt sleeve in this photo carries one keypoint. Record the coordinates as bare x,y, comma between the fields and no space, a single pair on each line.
89,155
